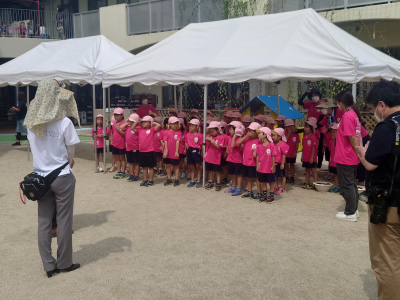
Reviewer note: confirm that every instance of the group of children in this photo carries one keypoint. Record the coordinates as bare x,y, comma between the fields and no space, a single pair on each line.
21,29
262,151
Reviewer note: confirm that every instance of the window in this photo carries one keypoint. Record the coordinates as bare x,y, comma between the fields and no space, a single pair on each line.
96,4
70,6
127,1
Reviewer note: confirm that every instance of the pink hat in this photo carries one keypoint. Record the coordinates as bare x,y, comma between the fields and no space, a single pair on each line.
173,120
195,122
237,124
181,120
113,121
214,119
174,110
289,122
313,119
208,111
222,124
281,118
270,120
239,131
228,114
311,122
133,117
194,111
148,119
158,120
236,114
281,132
99,116
334,125
182,115
214,124
119,111
246,119
209,121
254,126
259,117
266,131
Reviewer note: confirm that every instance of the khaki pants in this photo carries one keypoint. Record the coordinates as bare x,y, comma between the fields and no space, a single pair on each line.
384,249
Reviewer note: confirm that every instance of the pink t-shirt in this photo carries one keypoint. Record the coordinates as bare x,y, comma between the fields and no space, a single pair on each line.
265,155
182,136
338,114
312,110
226,137
364,132
349,126
235,154
99,140
327,138
281,149
317,134
332,148
171,137
292,140
144,111
157,140
118,140
308,144
132,139
248,149
213,155
108,130
146,139
194,140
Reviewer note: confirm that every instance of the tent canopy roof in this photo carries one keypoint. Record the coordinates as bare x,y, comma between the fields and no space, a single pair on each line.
79,61
299,45
285,108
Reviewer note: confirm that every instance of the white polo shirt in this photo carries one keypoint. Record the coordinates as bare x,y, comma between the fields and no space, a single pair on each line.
51,152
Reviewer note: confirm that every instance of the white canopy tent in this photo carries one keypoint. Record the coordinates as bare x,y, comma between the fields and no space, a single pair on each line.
75,61
299,45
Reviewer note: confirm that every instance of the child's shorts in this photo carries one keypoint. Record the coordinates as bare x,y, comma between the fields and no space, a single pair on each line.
213,167
132,157
266,177
290,160
116,151
235,168
171,161
193,156
249,171
223,161
99,150
307,165
182,156
147,159
158,154
110,148
333,170
278,171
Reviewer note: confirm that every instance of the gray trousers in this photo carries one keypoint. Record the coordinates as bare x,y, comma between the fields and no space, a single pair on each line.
347,176
61,198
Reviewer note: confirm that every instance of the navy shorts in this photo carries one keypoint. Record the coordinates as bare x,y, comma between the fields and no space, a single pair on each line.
249,171
307,165
171,161
266,177
278,171
235,168
223,161
290,160
333,170
99,150
213,167
132,157
158,154
182,156
116,151
110,148
147,159
193,156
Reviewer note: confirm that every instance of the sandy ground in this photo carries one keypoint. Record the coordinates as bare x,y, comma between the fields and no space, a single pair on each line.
177,243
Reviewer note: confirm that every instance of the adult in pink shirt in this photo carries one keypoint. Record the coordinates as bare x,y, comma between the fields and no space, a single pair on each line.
146,108
348,138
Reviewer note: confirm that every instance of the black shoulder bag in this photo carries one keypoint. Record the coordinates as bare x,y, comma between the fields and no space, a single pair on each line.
35,186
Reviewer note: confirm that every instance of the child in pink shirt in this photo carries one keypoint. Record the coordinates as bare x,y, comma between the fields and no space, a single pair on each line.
265,154
293,140
332,163
182,155
309,156
98,140
235,158
250,141
193,141
171,150
109,133
118,142
213,153
132,148
224,163
147,159
282,149
158,147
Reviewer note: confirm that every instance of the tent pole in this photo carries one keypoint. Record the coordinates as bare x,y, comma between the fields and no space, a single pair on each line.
204,132
27,95
109,105
104,130
94,128
354,92
180,97
277,98
175,102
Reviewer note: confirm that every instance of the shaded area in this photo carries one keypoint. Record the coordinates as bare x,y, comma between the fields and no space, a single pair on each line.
88,220
369,284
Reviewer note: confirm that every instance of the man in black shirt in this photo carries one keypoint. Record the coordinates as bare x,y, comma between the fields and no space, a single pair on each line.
20,113
379,157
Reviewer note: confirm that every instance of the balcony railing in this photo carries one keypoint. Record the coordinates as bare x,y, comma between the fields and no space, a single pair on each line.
87,24
25,23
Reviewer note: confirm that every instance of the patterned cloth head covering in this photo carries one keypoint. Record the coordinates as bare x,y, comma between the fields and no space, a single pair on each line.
51,103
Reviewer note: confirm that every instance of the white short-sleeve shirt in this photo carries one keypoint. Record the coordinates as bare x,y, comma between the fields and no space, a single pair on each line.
51,152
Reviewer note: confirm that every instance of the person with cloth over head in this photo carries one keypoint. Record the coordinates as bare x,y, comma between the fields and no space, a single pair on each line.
50,131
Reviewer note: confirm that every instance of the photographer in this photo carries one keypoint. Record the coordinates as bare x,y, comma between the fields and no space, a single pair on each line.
381,156
20,113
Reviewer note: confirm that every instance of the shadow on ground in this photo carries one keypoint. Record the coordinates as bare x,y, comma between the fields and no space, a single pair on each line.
93,252
88,220
369,282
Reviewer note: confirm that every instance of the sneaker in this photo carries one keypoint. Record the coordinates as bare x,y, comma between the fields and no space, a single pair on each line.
247,195
165,173
282,191
256,196
363,196
276,189
291,180
119,175
149,183
160,172
270,199
263,198
113,169
231,190
357,213
198,184
229,183
100,169
16,144
237,192
342,216
191,184
183,176
135,178
176,182
305,186
168,182
335,190
189,177
218,187
224,181
144,182
327,176
209,186
131,178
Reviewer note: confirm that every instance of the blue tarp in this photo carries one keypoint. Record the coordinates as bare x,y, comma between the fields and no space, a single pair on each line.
285,108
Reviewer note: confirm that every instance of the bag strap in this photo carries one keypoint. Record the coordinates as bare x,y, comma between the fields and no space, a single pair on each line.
58,170
20,196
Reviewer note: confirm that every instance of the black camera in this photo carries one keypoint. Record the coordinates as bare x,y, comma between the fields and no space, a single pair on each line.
380,199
